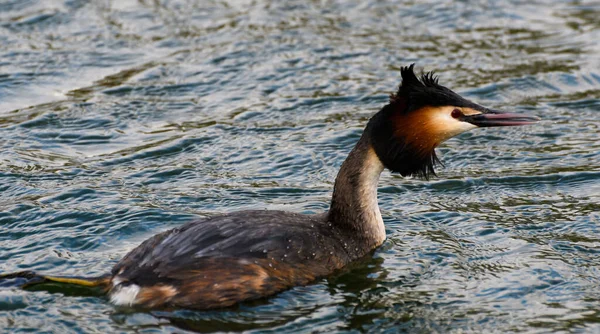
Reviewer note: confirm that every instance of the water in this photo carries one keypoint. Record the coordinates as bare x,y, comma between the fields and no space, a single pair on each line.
122,119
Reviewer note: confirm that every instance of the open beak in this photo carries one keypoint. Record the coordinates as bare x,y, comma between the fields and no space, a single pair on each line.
498,118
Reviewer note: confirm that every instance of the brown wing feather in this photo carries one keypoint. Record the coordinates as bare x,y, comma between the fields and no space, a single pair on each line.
223,282
226,259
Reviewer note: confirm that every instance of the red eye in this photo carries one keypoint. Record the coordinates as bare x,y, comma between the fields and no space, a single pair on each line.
456,113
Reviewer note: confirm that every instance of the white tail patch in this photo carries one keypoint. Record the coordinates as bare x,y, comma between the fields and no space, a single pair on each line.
124,295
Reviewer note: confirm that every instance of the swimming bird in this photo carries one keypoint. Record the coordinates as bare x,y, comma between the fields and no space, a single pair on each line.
226,259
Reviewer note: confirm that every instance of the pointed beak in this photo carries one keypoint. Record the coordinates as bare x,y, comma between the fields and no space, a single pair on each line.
498,118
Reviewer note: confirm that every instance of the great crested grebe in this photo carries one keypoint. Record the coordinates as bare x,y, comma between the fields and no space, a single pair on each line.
222,260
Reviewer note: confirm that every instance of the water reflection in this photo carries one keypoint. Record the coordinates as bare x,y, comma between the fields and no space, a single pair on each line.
122,119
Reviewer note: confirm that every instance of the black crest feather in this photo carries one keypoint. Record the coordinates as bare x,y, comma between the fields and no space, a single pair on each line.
414,92
429,79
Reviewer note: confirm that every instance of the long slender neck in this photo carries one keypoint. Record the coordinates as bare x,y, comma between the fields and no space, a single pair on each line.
354,202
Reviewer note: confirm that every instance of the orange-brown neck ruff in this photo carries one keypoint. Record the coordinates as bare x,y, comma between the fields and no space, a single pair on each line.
401,143
419,132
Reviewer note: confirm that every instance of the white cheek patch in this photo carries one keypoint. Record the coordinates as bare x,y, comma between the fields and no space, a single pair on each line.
446,126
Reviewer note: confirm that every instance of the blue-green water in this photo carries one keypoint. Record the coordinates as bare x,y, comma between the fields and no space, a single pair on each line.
121,119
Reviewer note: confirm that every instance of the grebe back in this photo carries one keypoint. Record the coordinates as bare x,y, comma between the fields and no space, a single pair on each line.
225,259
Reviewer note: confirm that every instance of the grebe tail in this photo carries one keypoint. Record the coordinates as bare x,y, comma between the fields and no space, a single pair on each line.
222,260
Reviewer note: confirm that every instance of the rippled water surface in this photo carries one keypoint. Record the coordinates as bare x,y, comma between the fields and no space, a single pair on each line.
121,119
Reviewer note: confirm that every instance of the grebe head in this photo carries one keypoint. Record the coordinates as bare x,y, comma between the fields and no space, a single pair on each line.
421,115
